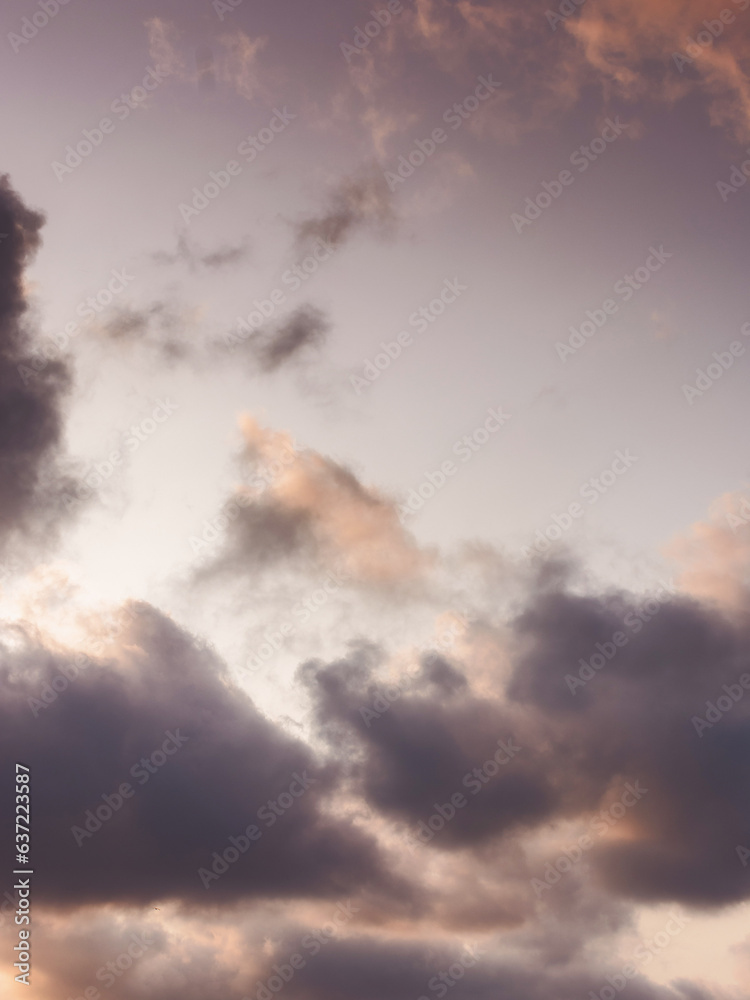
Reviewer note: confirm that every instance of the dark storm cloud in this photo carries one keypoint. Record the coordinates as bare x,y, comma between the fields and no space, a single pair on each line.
635,719
362,969
358,202
419,750
86,743
32,390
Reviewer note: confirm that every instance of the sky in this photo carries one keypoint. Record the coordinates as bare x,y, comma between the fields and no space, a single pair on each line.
374,515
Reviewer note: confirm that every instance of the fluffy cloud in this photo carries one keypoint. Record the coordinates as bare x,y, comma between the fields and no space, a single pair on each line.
313,511
585,702
228,764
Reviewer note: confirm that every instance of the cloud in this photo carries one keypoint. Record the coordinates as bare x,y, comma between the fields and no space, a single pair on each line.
194,257
631,714
358,202
117,712
33,388
367,969
232,60
627,48
714,555
236,65
312,511
160,325
306,327
163,38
